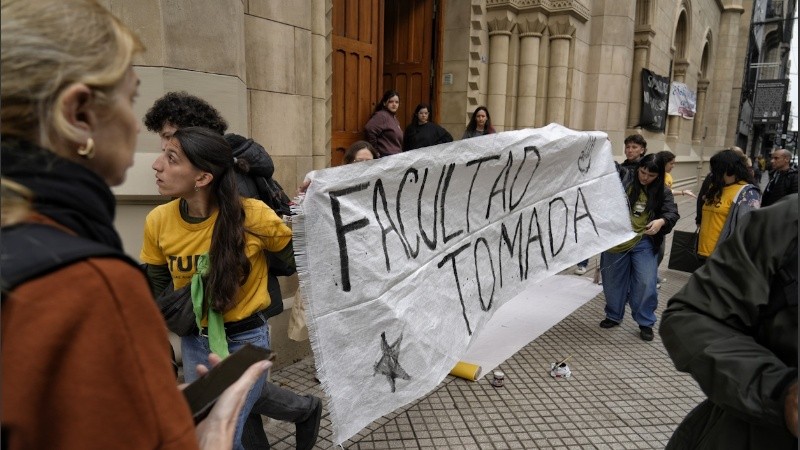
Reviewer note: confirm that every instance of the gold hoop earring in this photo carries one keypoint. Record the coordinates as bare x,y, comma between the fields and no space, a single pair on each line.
87,150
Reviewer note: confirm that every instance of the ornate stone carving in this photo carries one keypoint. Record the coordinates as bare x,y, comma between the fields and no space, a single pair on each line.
500,26
679,67
574,8
531,27
561,30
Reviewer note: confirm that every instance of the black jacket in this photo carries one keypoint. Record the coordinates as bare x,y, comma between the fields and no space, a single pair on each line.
425,135
666,209
780,185
257,157
723,328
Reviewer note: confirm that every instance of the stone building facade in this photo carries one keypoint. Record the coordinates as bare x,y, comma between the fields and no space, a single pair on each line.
267,66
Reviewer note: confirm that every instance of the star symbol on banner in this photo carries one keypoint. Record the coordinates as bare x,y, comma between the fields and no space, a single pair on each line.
389,363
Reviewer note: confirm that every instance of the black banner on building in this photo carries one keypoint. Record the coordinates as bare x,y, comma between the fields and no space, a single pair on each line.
655,100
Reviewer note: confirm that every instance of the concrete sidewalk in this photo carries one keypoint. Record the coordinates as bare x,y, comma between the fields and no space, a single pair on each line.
623,393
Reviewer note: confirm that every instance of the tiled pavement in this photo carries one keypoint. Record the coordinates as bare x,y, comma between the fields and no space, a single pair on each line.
624,392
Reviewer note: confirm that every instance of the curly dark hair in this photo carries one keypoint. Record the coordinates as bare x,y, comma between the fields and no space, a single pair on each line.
725,162
183,110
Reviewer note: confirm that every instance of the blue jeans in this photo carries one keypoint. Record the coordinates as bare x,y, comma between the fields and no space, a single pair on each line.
630,277
195,350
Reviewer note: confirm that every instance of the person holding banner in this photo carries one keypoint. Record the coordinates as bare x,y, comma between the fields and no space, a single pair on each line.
212,238
176,110
630,269
383,129
479,124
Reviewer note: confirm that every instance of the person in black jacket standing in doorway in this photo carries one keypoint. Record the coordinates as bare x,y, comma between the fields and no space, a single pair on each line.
422,132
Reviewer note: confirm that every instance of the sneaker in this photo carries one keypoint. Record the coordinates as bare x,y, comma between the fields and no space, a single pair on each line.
646,333
658,285
306,432
560,371
608,323
580,270
662,280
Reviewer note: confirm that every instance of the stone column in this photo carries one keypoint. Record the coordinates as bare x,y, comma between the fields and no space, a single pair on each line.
679,75
641,49
724,104
530,34
561,34
499,37
697,129
541,79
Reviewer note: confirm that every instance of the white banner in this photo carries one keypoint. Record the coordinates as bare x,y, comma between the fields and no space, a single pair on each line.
405,258
682,101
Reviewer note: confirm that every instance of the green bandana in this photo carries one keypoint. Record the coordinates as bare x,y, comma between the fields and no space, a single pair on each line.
216,325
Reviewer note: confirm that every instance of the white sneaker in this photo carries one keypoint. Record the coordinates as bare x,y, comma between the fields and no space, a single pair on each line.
580,270
562,371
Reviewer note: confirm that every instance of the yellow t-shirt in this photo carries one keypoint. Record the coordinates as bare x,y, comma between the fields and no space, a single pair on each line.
168,239
714,217
668,180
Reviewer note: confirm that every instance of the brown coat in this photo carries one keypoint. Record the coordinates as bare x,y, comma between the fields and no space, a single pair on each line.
86,364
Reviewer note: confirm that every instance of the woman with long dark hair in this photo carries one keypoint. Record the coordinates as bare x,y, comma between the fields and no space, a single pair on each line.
479,124
630,269
383,129
731,194
422,132
212,238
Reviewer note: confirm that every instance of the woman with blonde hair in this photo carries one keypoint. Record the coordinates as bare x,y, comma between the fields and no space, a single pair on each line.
85,355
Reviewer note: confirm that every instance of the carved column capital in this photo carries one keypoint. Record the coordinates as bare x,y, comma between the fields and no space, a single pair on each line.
643,37
702,85
531,27
500,26
679,67
561,30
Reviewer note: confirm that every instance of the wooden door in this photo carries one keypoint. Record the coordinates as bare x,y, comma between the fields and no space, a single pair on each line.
408,53
357,40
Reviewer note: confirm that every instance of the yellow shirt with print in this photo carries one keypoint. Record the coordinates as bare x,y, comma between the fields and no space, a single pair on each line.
714,217
668,180
170,240
639,221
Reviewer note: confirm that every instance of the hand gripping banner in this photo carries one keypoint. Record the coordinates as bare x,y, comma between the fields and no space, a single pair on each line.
403,259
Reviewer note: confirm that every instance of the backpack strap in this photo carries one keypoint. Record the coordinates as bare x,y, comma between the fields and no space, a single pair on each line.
32,250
